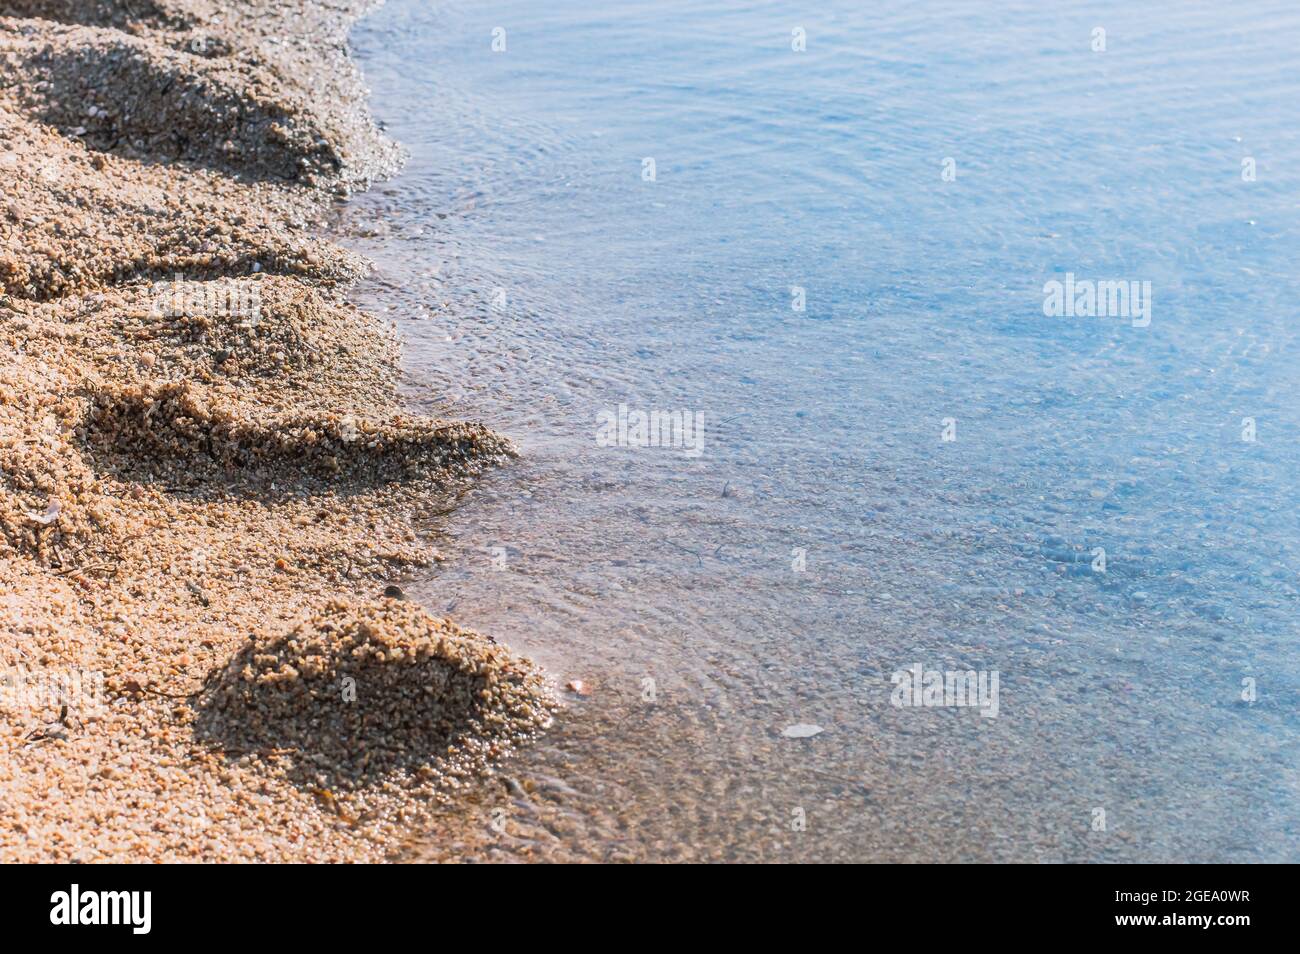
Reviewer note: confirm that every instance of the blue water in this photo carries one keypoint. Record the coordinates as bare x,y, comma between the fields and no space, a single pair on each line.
827,535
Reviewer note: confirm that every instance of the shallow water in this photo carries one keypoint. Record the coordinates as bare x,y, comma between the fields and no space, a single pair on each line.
919,467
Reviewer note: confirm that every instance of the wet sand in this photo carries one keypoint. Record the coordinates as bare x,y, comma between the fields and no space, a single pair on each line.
209,489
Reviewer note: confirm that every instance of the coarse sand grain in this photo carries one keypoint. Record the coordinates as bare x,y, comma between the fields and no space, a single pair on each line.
207,480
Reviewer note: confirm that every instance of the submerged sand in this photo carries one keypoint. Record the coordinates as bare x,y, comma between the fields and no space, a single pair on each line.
206,479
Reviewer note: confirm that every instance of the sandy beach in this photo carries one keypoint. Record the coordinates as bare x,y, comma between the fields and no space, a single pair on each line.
209,491
687,433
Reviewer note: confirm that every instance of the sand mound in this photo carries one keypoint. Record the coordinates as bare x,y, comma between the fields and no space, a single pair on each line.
73,220
155,425
121,14
360,692
252,338
138,98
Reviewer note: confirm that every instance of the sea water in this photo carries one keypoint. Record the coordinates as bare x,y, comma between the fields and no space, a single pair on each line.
863,358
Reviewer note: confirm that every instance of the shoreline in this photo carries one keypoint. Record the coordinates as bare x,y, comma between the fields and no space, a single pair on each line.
207,481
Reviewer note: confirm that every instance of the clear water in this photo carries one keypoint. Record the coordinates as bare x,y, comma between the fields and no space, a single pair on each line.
541,279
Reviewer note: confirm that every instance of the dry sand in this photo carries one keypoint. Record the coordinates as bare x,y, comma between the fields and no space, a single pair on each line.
206,480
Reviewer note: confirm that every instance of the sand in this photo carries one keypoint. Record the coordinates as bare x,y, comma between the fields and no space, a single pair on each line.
207,482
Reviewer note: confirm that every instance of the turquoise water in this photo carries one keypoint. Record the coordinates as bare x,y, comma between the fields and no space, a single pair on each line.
838,266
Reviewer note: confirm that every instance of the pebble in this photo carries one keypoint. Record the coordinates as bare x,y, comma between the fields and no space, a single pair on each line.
802,730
